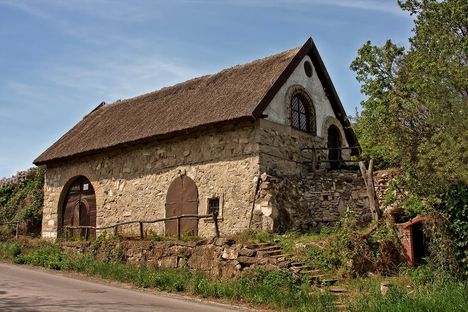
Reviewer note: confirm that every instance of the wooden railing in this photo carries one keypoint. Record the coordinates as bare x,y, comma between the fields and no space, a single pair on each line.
141,223
314,161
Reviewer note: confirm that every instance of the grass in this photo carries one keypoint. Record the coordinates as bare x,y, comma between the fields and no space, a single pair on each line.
404,295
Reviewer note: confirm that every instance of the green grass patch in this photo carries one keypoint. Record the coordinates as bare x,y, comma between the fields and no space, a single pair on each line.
405,294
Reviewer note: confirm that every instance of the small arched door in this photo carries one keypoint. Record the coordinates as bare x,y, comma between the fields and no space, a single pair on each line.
334,143
79,207
182,199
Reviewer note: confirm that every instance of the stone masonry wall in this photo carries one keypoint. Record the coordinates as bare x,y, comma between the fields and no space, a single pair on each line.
218,258
280,149
131,184
309,203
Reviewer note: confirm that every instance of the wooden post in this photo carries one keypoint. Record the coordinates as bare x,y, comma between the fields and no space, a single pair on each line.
178,227
141,230
314,159
215,220
259,181
17,230
86,233
368,176
116,231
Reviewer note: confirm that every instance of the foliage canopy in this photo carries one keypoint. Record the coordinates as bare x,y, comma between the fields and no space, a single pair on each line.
414,114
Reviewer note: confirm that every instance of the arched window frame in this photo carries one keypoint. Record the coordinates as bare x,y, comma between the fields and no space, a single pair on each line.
300,115
300,94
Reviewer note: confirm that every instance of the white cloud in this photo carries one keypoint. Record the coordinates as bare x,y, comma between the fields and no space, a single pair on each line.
115,75
385,6
25,7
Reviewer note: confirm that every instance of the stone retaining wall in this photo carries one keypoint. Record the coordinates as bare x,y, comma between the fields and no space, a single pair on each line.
308,204
218,258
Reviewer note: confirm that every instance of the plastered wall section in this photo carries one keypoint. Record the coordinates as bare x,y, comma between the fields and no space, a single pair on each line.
131,183
284,142
278,109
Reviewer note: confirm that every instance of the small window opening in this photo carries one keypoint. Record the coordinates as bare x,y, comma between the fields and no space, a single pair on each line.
213,206
308,69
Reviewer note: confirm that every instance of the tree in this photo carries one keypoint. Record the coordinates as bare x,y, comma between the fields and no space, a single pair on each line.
414,114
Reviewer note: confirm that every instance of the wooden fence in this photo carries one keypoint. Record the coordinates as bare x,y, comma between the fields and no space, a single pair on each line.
141,224
314,161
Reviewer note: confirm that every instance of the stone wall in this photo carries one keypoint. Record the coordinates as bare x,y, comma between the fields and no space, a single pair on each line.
131,183
309,203
218,258
281,152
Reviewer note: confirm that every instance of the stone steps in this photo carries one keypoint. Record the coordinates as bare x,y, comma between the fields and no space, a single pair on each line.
273,252
340,294
329,281
303,269
269,248
259,245
269,253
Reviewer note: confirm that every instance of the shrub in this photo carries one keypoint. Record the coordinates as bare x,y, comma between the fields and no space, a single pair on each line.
455,205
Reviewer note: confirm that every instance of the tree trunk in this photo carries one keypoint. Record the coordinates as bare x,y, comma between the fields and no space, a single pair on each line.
368,176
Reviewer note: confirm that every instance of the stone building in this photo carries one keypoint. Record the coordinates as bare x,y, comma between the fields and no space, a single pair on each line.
240,141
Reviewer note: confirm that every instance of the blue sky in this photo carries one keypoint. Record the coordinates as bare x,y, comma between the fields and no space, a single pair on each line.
60,58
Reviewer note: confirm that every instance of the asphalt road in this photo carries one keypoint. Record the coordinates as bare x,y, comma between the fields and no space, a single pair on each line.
24,289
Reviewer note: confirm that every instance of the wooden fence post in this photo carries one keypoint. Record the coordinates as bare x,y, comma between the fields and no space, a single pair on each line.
17,230
178,227
116,231
141,230
215,220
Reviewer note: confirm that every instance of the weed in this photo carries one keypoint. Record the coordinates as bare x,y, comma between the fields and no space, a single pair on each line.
447,295
153,237
189,237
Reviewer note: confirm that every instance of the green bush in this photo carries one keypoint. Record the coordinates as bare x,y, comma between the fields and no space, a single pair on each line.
455,205
21,197
49,256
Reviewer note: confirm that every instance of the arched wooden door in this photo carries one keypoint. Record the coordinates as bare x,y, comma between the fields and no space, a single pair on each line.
334,143
79,207
182,199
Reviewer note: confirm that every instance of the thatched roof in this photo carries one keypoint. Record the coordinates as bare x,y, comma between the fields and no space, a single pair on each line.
236,93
